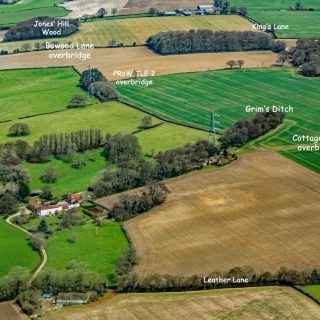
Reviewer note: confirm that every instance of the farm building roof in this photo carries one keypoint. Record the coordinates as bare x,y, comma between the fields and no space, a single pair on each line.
109,201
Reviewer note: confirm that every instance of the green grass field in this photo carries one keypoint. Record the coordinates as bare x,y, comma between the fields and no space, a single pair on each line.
99,247
302,24
314,290
70,180
128,31
110,117
189,98
14,250
274,4
27,9
308,159
33,91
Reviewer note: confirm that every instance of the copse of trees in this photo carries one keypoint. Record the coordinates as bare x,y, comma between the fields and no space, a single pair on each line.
90,76
93,81
122,147
104,90
306,55
246,130
14,180
183,42
26,30
132,174
14,283
131,205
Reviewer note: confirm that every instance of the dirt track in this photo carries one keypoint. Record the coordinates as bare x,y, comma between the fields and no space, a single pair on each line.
140,58
261,211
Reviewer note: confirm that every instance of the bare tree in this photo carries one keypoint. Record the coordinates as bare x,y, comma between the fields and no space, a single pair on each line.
240,63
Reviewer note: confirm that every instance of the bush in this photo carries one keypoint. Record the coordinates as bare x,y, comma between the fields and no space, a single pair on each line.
19,130
77,101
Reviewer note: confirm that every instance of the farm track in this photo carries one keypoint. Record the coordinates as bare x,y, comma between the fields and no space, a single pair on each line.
43,252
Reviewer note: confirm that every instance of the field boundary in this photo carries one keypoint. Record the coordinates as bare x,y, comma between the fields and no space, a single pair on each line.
165,119
307,294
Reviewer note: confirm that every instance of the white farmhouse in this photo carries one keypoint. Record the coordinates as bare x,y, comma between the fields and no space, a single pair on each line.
46,211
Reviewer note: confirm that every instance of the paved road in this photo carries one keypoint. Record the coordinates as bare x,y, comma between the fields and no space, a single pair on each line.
44,256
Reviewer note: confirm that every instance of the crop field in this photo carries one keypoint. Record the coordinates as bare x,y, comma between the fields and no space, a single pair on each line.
226,304
302,24
189,98
29,92
27,9
78,8
99,247
107,60
138,30
233,216
10,311
14,250
308,159
70,180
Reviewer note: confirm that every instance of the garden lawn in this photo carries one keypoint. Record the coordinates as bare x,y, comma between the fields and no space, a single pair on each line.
15,250
189,98
35,91
99,247
70,180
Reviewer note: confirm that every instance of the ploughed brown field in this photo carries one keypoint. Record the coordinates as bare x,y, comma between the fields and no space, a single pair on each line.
246,304
142,6
140,58
261,211
10,311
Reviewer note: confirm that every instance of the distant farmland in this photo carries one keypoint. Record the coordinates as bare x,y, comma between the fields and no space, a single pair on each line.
27,9
189,98
274,5
302,24
225,304
138,30
261,211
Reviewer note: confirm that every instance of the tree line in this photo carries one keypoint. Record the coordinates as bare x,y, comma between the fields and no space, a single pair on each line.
157,283
197,41
133,171
25,30
246,130
306,55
